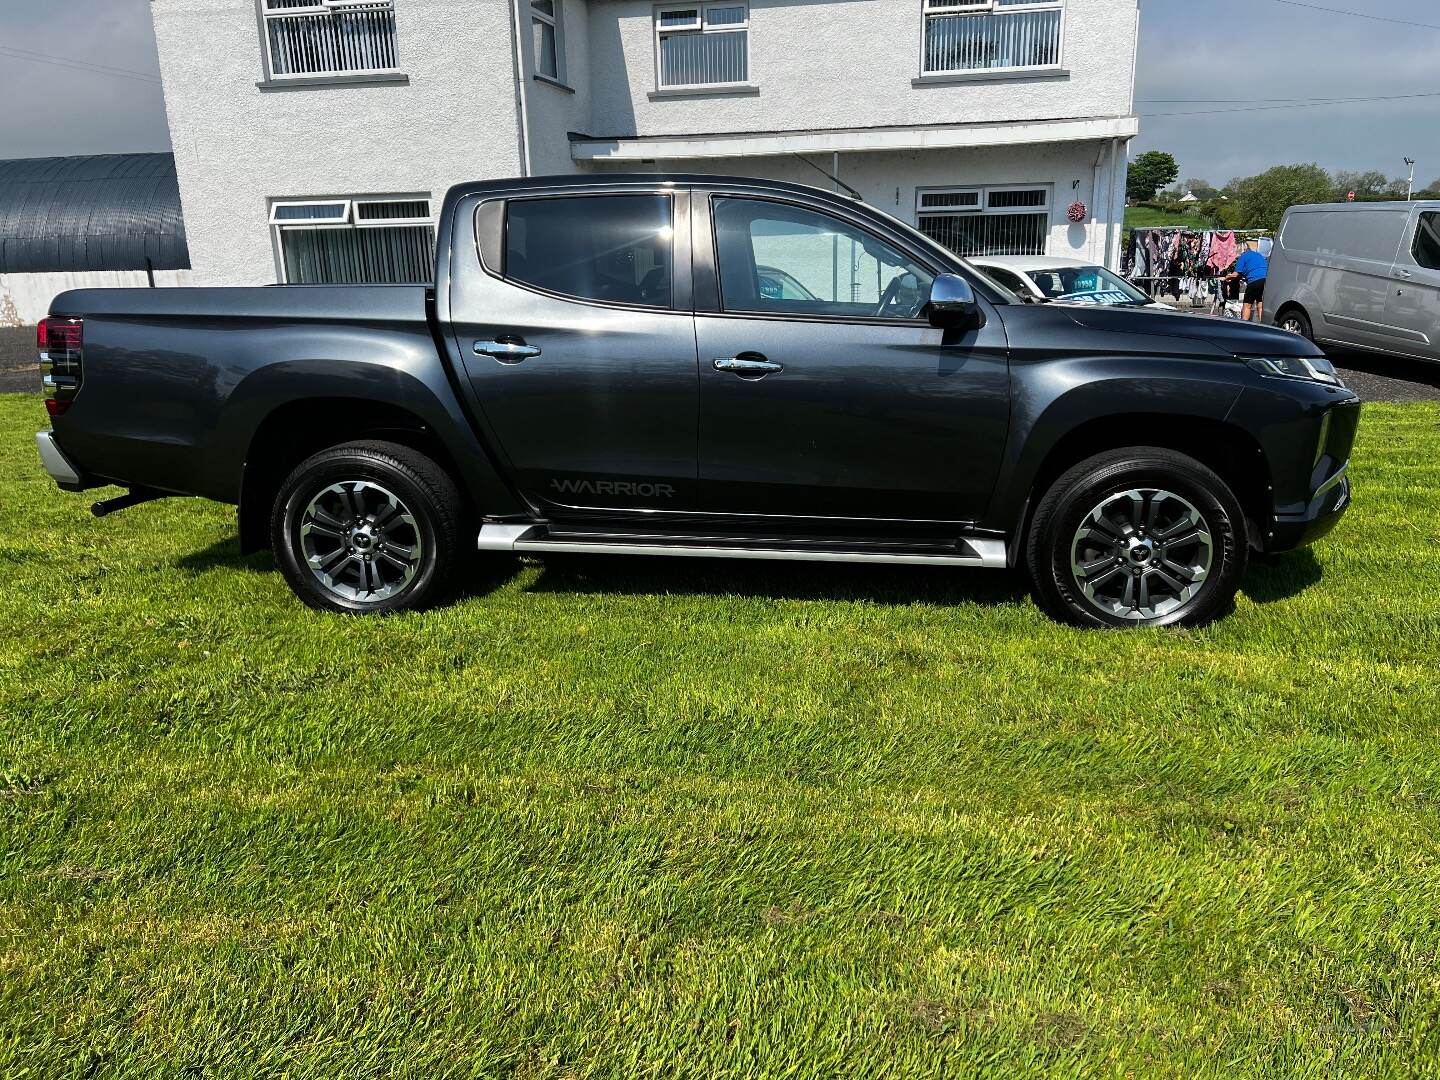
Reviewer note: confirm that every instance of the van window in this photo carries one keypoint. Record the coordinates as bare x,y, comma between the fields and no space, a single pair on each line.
1427,241
1355,234
615,248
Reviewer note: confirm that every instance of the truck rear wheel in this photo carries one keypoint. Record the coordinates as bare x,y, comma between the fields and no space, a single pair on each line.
368,528
1137,537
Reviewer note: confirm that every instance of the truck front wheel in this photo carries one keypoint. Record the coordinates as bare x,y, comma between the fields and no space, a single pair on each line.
1137,537
368,528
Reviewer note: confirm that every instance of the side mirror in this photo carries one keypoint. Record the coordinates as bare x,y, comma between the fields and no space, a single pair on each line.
953,305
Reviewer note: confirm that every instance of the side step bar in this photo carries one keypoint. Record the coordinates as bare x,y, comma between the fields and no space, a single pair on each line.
535,539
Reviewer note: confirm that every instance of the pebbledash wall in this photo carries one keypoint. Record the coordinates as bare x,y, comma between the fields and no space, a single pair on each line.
468,97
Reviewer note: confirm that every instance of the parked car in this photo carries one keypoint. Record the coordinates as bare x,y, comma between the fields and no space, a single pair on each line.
604,365
1361,275
1065,281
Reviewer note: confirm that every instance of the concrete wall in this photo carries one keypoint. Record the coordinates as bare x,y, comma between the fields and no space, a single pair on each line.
888,181
849,63
236,146
554,111
25,298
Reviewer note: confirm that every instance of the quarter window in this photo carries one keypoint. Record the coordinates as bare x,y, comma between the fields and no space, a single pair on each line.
991,35
780,259
986,221
355,241
613,248
1427,242
702,45
545,36
328,37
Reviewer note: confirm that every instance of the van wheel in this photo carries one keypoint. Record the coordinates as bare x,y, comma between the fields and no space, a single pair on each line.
1137,537
368,528
1294,320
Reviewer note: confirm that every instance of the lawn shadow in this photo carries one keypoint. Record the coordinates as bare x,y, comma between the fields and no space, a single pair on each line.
480,576
225,554
636,575
1272,578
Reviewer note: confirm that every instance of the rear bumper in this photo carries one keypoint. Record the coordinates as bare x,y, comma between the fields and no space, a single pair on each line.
60,468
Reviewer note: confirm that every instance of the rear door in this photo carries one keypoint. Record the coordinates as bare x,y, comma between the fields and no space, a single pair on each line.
831,397
1414,303
578,341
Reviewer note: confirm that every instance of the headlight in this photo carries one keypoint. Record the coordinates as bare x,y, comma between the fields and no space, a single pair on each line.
1313,368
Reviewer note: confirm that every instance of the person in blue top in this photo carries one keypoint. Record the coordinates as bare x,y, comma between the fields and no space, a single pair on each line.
1254,268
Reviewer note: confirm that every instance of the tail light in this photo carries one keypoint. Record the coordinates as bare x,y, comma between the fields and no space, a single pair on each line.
61,342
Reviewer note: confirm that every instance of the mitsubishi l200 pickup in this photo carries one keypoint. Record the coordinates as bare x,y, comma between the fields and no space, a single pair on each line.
695,365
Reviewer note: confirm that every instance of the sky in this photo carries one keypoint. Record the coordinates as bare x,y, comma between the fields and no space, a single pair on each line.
1196,57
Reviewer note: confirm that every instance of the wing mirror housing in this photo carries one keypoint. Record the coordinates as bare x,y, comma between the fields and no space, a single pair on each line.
953,305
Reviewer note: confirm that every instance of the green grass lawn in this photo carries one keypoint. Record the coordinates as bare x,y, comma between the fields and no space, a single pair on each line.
1146,217
622,817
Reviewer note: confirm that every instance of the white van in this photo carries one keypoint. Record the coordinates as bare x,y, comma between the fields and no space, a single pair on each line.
1360,275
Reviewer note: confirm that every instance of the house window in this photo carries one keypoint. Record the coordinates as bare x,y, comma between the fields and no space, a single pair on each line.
306,38
545,37
991,35
986,221
359,241
702,45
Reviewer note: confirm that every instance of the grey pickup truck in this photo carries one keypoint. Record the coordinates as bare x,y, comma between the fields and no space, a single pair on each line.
704,366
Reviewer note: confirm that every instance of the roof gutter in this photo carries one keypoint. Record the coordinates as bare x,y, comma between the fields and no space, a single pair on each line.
522,112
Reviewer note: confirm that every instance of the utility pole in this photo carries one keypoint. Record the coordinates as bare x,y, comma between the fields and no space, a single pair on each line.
1410,189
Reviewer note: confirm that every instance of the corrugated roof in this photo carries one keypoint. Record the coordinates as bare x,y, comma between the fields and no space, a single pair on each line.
109,212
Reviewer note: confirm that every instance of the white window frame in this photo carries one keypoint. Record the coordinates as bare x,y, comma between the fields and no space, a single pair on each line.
319,7
556,23
350,219
984,208
701,24
985,9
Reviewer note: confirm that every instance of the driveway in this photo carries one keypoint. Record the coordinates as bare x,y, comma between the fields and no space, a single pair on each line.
18,369
1378,377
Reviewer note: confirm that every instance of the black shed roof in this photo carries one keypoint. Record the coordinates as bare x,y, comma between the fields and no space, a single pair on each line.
109,212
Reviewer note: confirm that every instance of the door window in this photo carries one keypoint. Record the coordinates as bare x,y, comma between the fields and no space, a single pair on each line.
785,260
614,248
1427,241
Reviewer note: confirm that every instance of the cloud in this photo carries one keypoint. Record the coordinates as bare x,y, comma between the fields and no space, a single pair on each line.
1249,50
49,110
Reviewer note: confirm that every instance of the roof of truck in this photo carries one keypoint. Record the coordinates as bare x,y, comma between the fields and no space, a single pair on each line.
648,179
78,214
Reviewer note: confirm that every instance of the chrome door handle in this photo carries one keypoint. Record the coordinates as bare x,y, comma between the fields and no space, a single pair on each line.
507,352
1403,274
742,365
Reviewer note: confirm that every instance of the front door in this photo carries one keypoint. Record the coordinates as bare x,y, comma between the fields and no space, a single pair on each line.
1413,309
823,392
579,345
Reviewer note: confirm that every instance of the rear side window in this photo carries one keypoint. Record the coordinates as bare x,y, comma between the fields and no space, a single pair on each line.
613,248
1358,234
1427,241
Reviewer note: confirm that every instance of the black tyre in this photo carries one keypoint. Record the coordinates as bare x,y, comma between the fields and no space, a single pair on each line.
1296,321
1137,537
369,528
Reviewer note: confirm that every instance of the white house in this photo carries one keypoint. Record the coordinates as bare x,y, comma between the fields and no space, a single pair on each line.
315,139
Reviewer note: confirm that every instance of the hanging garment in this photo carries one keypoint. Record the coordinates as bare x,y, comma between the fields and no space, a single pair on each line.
1223,251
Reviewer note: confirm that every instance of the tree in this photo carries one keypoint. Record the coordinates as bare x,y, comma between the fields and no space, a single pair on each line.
1363,184
1150,172
1262,200
1201,189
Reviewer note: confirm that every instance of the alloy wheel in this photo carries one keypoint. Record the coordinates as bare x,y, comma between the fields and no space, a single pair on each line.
1142,554
360,541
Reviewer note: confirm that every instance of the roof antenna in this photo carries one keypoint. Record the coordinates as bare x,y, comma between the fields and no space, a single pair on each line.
826,172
